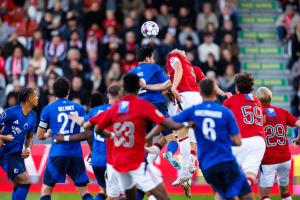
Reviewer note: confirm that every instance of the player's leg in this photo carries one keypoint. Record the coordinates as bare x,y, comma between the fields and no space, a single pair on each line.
266,180
76,170
99,172
113,188
171,149
128,185
154,150
283,172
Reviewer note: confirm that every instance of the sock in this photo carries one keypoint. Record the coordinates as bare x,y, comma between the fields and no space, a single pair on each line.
185,150
14,193
21,192
87,196
172,147
45,197
100,196
286,196
158,145
140,195
250,181
153,156
193,157
265,198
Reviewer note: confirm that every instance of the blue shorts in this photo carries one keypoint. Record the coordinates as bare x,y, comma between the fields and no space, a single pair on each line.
13,164
163,108
99,172
58,167
227,179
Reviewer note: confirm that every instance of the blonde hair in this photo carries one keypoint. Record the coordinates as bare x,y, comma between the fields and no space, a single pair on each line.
179,51
264,94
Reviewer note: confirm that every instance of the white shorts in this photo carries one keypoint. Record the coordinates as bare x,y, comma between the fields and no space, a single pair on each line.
188,99
113,186
250,154
145,178
268,173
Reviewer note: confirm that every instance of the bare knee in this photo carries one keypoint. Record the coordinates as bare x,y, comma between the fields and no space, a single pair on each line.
22,179
46,190
82,190
284,189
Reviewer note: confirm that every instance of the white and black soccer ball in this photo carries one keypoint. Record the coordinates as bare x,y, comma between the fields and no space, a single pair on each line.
149,29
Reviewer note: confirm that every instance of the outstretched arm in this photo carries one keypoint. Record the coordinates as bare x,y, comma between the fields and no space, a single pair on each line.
160,86
222,93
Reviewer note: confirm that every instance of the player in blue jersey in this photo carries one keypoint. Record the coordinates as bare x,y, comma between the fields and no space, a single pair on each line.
64,158
18,126
154,81
216,131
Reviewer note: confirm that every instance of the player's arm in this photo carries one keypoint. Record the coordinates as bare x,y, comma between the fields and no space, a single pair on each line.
42,132
160,86
222,93
28,144
233,129
103,122
6,137
236,140
71,138
177,66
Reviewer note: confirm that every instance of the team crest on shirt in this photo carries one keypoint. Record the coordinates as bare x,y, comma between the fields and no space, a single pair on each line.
249,96
25,126
271,112
2,115
123,107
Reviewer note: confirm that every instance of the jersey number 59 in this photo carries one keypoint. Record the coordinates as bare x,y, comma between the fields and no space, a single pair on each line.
252,115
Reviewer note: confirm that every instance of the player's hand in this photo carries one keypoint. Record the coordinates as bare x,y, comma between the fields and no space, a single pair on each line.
58,138
227,94
48,133
297,141
176,94
25,153
76,118
7,137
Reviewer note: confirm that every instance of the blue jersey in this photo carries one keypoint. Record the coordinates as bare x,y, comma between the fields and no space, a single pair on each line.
150,74
99,143
17,124
215,124
55,117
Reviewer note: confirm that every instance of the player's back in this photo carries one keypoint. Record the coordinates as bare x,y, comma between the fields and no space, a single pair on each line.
249,114
277,120
56,117
215,124
150,74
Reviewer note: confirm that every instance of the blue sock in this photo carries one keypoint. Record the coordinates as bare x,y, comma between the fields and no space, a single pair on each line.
172,147
14,193
21,192
140,195
100,196
87,196
45,197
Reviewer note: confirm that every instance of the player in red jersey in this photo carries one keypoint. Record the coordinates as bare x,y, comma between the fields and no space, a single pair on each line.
277,158
185,77
129,118
250,117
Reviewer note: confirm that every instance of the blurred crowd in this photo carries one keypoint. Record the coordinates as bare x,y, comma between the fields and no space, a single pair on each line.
93,42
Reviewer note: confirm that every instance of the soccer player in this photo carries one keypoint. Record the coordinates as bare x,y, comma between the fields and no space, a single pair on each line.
216,131
250,117
129,118
64,158
277,158
185,90
19,125
154,81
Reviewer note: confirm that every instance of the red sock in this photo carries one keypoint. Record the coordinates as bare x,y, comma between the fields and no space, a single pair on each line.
158,145
264,197
250,181
193,152
285,195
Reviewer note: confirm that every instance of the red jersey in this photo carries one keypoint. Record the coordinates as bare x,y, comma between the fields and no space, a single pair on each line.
189,79
249,114
109,143
277,120
129,119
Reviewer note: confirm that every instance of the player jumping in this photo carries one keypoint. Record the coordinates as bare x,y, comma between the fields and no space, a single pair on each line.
277,158
19,125
64,158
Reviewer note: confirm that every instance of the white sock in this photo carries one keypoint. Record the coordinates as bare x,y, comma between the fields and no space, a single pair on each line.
185,150
153,156
287,198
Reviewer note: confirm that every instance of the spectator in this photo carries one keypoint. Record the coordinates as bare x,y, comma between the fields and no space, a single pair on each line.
295,72
52,68
295,40
46,25
55,51
77,91
57,11
37,41
12,44
172,28
228,43
2,64
16,65
228,58
185,17
188,32
210,65
164,16
38,62
129,63
210,28
75,41
5,31
190,46
225,29
208,47
167,45
114,73
229,15
285,23
206,17
110,21
96,31
30,76
98,80
95,14
295,103
130,42
192,58
11,99
129,25
71,26
132,5
226,82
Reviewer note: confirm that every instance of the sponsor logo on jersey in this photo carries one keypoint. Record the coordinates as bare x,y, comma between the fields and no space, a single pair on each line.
271,112
16,122
123,107
249,96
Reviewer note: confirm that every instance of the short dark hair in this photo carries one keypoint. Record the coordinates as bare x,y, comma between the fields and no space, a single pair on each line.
244,82
96,99
25,94
114,90
61,87
144,52
207,87
131,83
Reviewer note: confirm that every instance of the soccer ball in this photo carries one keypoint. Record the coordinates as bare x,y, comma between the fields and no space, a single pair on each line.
149,29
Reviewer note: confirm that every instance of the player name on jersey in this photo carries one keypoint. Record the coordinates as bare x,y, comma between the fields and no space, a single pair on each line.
65,108
208,113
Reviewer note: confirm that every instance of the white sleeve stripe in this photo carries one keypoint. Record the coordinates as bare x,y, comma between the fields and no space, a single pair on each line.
43,124
173,60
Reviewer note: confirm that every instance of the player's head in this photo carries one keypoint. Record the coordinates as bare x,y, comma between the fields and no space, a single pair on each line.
208,88
29,95
181,52
131,83
264,94
244,83
113,91
96,100
145,54
61,87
